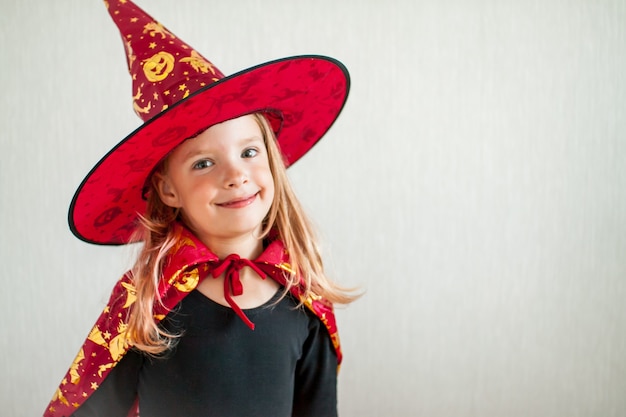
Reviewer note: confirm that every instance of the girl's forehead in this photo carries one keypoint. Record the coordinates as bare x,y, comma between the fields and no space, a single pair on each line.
233,129
235,132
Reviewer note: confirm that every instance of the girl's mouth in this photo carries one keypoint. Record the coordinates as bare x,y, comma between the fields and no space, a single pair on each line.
239,202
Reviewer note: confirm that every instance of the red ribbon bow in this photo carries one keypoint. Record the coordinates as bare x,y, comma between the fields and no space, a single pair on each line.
230,267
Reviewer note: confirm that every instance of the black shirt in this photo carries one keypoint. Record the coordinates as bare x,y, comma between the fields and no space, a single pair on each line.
287,366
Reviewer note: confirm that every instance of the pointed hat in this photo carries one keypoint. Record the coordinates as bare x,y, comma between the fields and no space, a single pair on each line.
178,93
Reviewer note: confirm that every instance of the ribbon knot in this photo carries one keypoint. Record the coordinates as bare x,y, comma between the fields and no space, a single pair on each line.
230,267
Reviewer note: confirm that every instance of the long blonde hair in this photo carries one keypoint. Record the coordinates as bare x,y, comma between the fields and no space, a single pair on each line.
286,216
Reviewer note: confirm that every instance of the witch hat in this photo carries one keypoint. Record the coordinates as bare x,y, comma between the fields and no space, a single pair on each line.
178,93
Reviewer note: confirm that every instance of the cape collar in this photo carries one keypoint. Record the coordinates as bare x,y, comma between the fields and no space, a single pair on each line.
190,254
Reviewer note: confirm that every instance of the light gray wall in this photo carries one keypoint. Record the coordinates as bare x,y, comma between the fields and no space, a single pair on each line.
474,186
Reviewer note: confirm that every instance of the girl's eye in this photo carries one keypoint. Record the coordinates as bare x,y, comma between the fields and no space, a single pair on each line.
205,163
250,153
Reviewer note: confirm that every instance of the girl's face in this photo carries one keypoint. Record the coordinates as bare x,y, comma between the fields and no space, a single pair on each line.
221,180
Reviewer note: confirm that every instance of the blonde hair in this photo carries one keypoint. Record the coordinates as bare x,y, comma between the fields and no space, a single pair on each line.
286,216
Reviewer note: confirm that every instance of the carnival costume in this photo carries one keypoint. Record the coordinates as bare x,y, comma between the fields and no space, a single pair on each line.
178,94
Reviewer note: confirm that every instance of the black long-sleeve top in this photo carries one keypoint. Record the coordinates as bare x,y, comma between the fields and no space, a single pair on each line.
286,367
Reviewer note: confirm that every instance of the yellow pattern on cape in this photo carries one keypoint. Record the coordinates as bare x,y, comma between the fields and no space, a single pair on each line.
185,281
74,375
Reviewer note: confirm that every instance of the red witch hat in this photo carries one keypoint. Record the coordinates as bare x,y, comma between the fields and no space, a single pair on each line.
179,93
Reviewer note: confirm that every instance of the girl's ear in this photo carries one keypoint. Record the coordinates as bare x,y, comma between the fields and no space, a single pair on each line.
167,192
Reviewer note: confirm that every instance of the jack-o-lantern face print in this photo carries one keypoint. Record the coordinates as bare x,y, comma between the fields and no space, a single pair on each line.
158,67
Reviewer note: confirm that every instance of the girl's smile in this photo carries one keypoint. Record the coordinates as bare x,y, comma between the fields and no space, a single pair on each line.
238,202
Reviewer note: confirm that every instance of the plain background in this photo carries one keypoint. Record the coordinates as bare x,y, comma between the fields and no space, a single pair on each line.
474,186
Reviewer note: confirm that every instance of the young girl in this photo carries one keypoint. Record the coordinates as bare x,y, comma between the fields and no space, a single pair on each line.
227,310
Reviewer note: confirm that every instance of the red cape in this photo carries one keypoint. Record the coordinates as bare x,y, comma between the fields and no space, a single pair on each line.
188,263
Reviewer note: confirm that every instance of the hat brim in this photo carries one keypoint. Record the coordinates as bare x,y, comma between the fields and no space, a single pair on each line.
307,93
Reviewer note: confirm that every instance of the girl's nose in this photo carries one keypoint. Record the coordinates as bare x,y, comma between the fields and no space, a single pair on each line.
235,176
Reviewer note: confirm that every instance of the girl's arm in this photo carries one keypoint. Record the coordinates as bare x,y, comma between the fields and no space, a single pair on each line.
315,391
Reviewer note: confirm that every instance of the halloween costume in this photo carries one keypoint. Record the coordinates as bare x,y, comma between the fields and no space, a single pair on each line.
178,94
188,264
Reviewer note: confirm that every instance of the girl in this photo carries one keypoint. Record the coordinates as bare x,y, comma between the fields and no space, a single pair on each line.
227,310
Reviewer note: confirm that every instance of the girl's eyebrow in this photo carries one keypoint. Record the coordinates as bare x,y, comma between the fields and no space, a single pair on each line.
251,139
193,153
